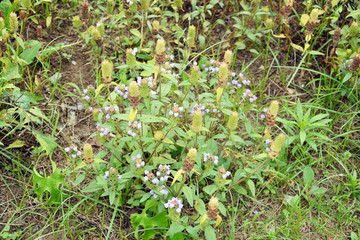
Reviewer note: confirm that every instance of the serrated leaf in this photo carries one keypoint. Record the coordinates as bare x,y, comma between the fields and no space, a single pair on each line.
50,184
48,143
148,224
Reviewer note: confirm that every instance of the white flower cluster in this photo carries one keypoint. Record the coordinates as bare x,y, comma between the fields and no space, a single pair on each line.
137,161
122,91
174,203
210,159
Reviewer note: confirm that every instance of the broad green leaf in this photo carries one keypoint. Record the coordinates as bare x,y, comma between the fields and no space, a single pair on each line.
210,189
175,228
136,32
50,184
210,233
92,187
188,195
32,48
308,175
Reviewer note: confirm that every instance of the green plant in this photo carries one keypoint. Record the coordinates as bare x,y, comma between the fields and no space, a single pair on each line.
305,128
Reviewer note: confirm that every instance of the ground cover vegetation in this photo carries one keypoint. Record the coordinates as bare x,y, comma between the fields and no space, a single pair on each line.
201,119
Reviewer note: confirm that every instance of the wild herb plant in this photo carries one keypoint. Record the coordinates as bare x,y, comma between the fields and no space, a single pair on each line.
174,133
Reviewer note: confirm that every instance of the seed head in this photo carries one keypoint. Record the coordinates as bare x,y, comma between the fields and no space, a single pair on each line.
223,74
160,46
14,23
134,89
276,146
2,24
228,57
110,6
269,23
145,5
155,26
96,34
27,4
191,36
233,121
192,153
355,63
274,108
213,208
76,21
106,69
88,153
197,121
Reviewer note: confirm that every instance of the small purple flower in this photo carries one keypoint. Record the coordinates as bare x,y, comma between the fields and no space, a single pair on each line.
67,149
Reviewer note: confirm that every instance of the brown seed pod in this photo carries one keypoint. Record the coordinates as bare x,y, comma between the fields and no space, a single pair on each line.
85,10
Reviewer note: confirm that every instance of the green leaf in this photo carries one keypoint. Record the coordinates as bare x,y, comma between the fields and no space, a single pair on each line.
347,77
188,195
302,136
308,175
16,144
354,236
251,186
79,179
136,32
210,233
92,187
175,228
50,184
32,48
165,89
210,189
148,224
48,143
